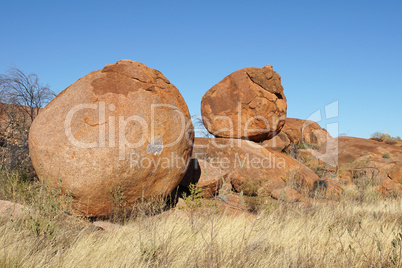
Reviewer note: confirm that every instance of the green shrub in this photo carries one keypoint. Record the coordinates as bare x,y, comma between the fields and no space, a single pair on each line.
376,135
384,137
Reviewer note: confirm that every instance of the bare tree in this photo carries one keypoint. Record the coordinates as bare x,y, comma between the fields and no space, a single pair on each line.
199,127
21,98
25,91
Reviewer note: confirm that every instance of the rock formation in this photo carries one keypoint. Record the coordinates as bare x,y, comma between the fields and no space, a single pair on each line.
355,157
296,131
248,104
113,137
248,167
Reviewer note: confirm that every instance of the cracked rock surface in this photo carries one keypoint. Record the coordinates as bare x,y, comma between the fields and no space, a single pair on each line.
112,137
248,104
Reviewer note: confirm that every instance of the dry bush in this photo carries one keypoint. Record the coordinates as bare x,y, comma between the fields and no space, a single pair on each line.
384,137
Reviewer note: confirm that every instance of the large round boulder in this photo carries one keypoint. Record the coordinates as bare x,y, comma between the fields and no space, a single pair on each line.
247,104
113,137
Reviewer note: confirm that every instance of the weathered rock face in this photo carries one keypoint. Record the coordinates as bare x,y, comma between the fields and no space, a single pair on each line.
250,168
114,136
396,172
204,175
354,157
286,194
389,188
247,104
298,130
350,153
278,143
326,187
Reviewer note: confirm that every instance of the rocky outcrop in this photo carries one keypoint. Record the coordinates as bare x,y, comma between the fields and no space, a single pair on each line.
304,133
247,104
355,157
116,135
278,143
389,188
360,155
204,175
250,168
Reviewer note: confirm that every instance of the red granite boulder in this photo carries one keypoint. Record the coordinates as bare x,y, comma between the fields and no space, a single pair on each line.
116,135
248,104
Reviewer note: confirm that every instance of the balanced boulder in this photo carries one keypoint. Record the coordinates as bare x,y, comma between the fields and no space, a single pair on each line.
113,137
248,104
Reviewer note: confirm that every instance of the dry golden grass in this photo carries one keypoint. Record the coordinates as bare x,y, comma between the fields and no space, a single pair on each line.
359,231
329,235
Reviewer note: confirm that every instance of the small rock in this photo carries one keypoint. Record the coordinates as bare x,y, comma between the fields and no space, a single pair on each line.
389,188
10,209
286,194
328,188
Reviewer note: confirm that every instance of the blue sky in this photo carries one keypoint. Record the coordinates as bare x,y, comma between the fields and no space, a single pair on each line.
325,51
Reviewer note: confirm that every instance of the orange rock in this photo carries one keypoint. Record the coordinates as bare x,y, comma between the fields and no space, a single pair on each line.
389,188
277,143
328,188
361,157
234,204
286,194
114,136
267,187
396,173
205,176
248,103
306,131
305,155
345,178
250,166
